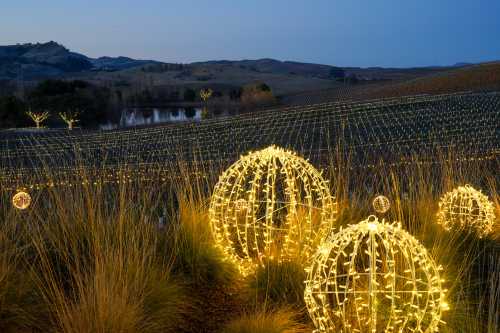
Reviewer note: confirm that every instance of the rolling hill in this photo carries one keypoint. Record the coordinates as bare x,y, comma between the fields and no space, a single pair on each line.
472,78
33,62
48,60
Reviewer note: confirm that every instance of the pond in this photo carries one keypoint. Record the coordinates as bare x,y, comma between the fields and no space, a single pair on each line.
149,116
140,116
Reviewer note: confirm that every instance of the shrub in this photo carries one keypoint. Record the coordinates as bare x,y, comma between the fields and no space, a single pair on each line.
259,94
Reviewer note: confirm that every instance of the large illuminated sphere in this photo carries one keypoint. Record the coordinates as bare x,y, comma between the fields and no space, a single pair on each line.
270,204
381,204
21,200
465,207
374,277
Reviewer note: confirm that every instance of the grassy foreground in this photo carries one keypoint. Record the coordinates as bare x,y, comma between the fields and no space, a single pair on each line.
138,256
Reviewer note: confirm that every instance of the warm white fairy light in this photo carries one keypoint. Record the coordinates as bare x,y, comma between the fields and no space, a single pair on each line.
21,200
381,204
38,117
270,204
466,207
205,94
70,117
374,277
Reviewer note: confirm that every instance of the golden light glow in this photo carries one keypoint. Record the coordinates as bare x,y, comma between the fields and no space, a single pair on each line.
70,118
205,94
465,207
21,200
381,204
374,277
270,204
38,117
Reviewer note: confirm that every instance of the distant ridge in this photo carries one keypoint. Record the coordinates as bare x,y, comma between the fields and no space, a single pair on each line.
34,62
118,63
267,65
51,59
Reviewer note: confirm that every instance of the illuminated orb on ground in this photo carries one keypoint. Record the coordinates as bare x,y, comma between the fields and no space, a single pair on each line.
374,277
381,204
270,204
466,207
21,200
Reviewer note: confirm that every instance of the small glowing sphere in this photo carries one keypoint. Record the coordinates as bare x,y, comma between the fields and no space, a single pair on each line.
270,204
465,207
381,204
21,200
374,277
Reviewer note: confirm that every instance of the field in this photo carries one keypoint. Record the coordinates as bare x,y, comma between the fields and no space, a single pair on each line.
472,78
394,130
117,237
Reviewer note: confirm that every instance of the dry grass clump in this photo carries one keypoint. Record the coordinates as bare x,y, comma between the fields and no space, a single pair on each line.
277,284
277,321
95,262
139,256
189,240
21,307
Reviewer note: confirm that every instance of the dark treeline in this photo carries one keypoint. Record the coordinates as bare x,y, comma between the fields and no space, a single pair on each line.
92,104
257,93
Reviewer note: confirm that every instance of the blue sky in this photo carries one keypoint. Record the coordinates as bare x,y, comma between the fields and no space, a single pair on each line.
389,33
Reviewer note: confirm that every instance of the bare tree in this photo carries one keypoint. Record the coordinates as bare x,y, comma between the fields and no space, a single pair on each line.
205,94
70,117
38,117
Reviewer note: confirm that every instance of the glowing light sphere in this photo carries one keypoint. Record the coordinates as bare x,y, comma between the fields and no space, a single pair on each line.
381,204
466,207
270,204
21,200
374,277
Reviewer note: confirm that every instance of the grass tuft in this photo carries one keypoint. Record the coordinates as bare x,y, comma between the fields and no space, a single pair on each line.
192,246
277,321
277,284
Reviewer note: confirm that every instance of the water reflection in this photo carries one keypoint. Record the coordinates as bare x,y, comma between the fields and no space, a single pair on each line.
138,117
150,116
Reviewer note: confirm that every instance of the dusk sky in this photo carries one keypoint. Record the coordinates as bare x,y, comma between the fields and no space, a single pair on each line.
389,33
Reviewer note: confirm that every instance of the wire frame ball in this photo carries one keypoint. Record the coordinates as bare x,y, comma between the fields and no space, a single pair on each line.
374,277
466,207
381,204
270,204
21,200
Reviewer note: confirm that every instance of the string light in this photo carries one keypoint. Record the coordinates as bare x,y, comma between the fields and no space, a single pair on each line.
394,128
38,117
270,204
21,200
70,117
374,277
381,204
466,207
205,94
